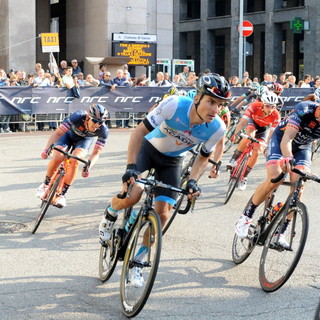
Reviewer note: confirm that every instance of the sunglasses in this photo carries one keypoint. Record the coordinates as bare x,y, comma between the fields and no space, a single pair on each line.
95,121
270,106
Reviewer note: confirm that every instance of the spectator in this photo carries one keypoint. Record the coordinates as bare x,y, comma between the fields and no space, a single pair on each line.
184,75
22,81
63,67
38,67
282,78
75,67
167,77
246,81
41,80
291,82
267,79
121,81
102,70
306,81
160,81
192,79
234,81
107,81
81,80
317,82
91,81
30,79
177,81
126,69
126,75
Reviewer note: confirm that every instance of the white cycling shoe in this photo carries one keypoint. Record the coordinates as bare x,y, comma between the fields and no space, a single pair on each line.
136,277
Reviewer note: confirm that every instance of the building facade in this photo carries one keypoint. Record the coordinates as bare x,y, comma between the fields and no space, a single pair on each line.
207,31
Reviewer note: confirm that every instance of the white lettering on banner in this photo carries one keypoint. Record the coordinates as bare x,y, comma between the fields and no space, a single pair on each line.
126,99
93,99
154,99
55,99
294,99
19,100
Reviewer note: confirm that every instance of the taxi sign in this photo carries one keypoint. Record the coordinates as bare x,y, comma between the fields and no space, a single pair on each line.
50,42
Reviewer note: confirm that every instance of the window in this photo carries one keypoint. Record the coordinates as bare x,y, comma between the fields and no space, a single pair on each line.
254,5
190,9
218,8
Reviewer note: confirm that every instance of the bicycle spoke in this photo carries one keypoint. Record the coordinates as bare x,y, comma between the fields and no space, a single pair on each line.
277,262
134,294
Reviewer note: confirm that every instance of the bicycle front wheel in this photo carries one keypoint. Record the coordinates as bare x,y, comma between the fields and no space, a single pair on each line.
46,203
234,178
278,263
135,294
108,257
228,143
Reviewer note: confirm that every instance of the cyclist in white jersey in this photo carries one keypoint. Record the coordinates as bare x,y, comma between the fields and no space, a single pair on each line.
176,125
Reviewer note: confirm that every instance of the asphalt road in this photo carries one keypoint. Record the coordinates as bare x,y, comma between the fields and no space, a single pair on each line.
54,273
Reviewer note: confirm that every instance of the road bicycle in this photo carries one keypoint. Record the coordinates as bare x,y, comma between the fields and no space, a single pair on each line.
187,167
277,262
56,184
123,246
235,117
237,173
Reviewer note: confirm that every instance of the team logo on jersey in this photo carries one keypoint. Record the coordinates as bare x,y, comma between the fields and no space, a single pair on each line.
312,124
182,139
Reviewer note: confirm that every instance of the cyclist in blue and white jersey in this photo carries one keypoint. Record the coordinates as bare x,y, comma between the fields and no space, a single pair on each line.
77,132
290,140
172,128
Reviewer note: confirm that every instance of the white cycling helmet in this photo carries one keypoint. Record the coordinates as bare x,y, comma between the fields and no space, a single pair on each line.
269,98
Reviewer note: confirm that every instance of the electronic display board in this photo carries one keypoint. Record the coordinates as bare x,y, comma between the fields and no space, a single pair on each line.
140,54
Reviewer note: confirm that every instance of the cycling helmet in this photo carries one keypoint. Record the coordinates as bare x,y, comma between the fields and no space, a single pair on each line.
261,90
277,88
214,85
317,93
98,112
255,85
269,98
191,94
171,91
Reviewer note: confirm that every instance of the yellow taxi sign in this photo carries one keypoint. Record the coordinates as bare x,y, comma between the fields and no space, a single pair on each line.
50,42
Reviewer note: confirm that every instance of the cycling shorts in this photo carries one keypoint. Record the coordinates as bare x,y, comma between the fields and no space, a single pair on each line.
71,140
301,152
167,169
261,132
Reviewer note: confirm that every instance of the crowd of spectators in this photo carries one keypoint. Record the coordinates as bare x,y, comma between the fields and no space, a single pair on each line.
72,76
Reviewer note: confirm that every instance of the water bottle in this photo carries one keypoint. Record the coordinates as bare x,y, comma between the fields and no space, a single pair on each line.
131,220
274,210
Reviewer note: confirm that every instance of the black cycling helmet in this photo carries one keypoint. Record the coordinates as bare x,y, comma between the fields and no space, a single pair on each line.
98,112
214,85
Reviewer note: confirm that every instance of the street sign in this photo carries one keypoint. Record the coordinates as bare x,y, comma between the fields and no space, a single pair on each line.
297,25
50,42
247,28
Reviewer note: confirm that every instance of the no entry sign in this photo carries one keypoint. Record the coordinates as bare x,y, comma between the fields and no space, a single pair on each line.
247,28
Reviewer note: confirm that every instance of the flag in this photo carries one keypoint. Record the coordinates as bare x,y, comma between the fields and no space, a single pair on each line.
53,64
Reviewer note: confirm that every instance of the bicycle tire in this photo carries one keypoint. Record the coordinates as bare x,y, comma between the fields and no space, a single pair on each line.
317,314
228,143
46,203
315,149
234,178
108,258
276,264
133,298
242,248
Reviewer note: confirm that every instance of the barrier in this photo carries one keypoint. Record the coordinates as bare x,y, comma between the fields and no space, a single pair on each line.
42,103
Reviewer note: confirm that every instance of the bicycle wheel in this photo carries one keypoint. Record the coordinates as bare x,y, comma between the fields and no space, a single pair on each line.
242,248
133,298
47,202
315,149
235,177
228,143
278,263
108,257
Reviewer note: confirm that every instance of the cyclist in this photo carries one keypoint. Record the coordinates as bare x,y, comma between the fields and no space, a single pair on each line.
258,117
160,142
291,140
77,132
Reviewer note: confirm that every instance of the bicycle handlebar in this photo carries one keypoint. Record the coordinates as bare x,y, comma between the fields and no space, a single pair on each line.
69,155
305,175
243,135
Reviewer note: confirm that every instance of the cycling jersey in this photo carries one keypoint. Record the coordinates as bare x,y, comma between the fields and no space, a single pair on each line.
303,120
255,111
74,127
172,134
